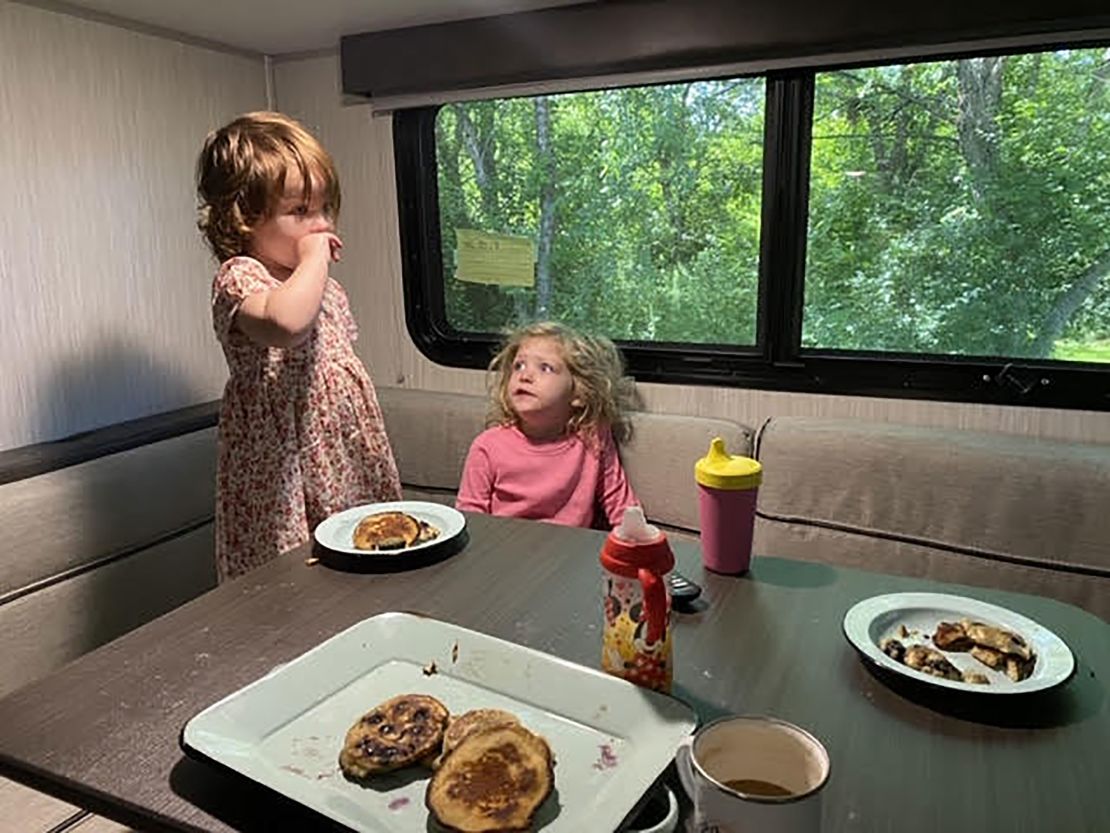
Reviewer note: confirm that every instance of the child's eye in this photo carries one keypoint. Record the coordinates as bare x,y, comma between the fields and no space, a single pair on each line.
300,210
546,368
518,365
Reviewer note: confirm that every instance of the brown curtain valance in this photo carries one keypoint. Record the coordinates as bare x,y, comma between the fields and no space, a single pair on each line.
636,36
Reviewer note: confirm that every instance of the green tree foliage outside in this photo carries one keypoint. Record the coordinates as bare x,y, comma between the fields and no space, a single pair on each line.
956,207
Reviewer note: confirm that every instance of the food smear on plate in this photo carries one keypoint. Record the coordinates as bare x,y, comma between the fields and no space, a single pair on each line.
392,531
607,759
996,648
491,773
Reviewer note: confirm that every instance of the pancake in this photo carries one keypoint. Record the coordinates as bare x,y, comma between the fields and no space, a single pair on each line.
427,532
998,639
951,636
472,722
492,782
930,661
401,731
386,531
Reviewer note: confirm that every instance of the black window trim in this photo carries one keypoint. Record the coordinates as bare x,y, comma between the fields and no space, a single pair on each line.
778,362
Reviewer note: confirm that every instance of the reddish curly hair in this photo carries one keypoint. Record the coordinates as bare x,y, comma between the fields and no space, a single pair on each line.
241,175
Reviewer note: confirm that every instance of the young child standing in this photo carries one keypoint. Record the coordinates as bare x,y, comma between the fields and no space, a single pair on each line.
559,407
300,435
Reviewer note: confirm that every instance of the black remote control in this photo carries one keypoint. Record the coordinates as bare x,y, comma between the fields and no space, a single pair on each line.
683,591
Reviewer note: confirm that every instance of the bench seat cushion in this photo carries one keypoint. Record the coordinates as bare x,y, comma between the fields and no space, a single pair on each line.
69,518
988,509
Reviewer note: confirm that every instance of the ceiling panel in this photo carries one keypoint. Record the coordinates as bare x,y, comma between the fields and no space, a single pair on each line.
274,27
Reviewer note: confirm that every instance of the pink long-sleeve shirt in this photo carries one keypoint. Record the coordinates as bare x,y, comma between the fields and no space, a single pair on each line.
565,481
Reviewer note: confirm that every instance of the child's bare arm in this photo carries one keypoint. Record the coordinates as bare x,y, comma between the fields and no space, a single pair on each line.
285,316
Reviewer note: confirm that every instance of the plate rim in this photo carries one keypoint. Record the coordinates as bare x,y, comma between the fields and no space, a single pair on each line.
881,603
389,506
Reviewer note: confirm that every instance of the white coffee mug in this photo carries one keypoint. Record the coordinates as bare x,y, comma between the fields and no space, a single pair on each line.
751,774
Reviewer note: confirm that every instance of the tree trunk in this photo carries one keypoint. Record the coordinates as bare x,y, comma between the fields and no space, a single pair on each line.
1066,305
980,86
479,146
545,159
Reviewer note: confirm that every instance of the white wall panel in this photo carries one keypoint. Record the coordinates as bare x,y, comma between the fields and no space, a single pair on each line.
104,277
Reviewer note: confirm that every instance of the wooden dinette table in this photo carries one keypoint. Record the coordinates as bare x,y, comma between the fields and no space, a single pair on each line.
103,731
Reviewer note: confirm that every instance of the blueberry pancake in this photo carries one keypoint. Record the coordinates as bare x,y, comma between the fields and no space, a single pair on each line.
401,731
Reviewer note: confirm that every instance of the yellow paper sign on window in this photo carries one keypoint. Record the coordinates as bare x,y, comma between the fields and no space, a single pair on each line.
503,259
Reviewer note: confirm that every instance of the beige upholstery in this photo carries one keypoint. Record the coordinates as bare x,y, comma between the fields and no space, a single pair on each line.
431,433
98,824
96,549
72,516
23,810
660,461
986,509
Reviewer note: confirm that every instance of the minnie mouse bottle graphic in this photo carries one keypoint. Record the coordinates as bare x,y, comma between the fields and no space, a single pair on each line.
636,643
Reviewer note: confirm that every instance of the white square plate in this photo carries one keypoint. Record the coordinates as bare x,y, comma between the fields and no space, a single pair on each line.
611,739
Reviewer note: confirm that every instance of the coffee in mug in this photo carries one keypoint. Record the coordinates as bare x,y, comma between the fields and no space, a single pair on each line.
747,774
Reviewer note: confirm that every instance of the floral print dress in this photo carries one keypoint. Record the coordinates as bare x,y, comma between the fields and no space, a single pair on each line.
301,435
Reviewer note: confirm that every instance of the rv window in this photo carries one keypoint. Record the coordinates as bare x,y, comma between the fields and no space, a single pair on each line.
937,229
633,212
961,208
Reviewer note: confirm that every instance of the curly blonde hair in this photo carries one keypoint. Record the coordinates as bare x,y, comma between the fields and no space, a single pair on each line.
241,174
603,394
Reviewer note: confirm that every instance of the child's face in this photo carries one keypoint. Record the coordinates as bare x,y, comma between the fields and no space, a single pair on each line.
541,388
274,240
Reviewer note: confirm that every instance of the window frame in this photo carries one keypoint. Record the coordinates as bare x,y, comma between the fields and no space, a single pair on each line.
778,361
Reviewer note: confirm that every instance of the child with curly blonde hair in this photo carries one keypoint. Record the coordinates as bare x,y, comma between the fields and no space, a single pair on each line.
300,435
559,407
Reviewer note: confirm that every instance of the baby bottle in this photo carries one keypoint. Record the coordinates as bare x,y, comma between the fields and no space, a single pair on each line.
636,642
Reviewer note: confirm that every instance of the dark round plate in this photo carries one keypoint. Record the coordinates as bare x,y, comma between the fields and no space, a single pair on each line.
394,561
